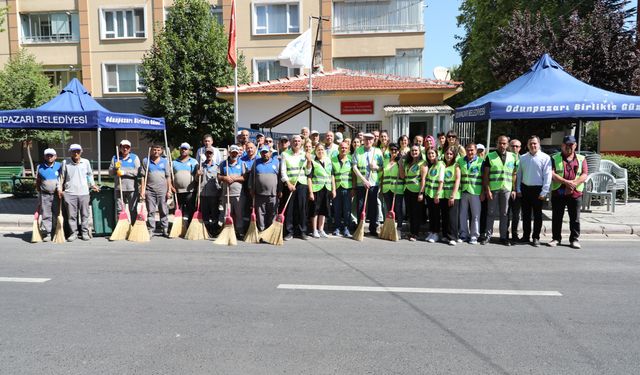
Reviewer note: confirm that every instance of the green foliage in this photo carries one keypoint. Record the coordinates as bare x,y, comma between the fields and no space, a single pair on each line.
590,140
633,171
186,64
23,85
3,15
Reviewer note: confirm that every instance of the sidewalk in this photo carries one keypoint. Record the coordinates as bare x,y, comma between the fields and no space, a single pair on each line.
16,214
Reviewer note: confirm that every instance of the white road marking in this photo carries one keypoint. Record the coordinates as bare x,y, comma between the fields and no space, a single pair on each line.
23,280
350,288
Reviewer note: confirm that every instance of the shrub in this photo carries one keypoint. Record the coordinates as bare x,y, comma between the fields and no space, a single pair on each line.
633,170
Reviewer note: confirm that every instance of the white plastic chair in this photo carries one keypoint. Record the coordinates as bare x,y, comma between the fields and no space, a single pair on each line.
601,186
619,173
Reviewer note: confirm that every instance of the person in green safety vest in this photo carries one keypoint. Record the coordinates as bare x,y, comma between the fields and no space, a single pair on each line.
393,183
569,174
414,185
434,182
343,178
499,184
294,169
450,200
471,190
322,187
330,147
367,165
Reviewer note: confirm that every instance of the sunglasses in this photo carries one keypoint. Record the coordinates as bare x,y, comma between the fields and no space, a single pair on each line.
516,146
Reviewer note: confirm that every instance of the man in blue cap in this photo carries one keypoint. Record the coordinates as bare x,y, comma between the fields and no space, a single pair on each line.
264,186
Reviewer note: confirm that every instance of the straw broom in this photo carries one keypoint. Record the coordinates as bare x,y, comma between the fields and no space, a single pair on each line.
273,234
123,226
36,236
228,234
177,225
139,231
252,235
388,231
58,237
358,235
197,230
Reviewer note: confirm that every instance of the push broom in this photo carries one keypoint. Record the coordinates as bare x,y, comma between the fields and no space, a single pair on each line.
139,231
358,235
388,231
228,234
36,236
123,226
177,225
252,235
197,230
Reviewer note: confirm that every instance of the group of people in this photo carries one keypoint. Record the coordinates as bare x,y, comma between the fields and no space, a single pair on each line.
324,184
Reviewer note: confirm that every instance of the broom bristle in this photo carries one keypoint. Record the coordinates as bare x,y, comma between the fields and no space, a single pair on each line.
176,226
59,235
388,231
273,234
197,230
358,235
35,234
227,236
121,231
139,232
252,235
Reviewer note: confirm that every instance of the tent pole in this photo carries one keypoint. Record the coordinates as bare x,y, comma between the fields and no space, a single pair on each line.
579,131
63,141
488,145
99,162
166,143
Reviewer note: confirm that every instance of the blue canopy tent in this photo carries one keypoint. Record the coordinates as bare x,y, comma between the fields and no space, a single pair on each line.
75,109
546,91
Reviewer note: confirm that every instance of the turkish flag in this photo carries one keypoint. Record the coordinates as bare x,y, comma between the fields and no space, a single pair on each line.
232,55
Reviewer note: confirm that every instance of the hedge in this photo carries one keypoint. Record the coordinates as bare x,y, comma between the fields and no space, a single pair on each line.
633,170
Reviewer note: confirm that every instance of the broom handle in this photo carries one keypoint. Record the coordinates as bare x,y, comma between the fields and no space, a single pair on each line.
173,179
120,181
146,172
393,202
364,204
198,194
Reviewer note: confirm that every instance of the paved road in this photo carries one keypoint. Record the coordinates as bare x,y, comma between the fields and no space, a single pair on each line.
187,307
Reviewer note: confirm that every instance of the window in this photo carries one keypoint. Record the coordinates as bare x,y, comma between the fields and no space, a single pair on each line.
360,126
265,70
60,77
276,18
122,78
406,63
50,27
377,16
216,13
123,23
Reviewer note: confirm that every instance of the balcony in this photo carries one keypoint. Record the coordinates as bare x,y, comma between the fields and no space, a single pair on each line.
47,28
366,29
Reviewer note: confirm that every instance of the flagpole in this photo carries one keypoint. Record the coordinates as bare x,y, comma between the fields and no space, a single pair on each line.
235,98
310,84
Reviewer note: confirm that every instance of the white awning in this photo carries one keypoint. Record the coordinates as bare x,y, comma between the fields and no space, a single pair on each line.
422,109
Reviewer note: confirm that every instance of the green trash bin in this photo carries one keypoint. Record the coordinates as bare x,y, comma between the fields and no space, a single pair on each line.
103,207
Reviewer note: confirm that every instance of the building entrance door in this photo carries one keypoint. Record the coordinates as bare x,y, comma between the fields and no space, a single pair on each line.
420,125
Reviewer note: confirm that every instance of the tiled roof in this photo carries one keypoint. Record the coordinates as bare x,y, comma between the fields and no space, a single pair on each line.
341,80
417,108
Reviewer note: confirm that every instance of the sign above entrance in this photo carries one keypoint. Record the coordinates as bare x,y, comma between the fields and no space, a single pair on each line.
356,108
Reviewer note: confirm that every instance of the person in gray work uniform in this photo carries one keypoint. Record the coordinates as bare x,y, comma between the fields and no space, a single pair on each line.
210,192
126,165
77,178
47,185
158,189
264,185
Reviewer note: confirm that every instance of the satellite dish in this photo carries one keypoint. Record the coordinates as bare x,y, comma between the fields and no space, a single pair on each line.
441,73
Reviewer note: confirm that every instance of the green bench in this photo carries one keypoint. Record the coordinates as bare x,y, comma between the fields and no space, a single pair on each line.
6,177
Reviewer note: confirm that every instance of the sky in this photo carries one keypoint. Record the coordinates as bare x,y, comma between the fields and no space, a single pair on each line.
440,31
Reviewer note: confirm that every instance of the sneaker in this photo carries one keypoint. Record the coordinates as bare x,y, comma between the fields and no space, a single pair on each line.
429,235
576,245
85,237
46,238
412,238
304,236
535,242
316,234
553,243
505,242
431,238
165,233
453,243
347,234
473,241
323,234
288,237
336,232
460,240
72,238
484,240
435,238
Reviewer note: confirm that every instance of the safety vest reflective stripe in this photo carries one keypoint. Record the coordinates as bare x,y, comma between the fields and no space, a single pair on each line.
361,158
294,163
501,175
432,183
471,176
391,181
321,175
558,166
342,172
412,177
449,182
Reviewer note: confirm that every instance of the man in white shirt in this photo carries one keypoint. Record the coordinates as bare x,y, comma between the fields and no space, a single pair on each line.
533,184
207,141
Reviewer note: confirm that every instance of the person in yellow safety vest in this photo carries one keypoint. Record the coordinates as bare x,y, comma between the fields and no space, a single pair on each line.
294,169
322,187
343,176
450,196
393,182
434,182
414,182
471,190
499,184
569,174
367,165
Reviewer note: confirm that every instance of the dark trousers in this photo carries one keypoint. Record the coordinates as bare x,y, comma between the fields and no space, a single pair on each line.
450,219
515,206
484,209
210,210
398,208
187,204
415,211
531,204
342,209
558,204
372,206
296,216
434,215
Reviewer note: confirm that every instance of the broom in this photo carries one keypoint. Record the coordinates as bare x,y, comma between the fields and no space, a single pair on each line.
228,234
273,234
177,226
197,230
388,231
58,237
123,226
252,235
36,236
358,235
139,231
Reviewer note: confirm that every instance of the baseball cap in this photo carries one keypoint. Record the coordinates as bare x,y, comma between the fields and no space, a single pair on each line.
208,149
264,149
188,146
234,148
284,138
49,151
569,139
368,135
125,142
259,135
338,137
480,146
75,146
314,132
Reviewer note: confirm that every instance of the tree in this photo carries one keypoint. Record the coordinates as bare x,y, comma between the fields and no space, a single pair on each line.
23,85
186,64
